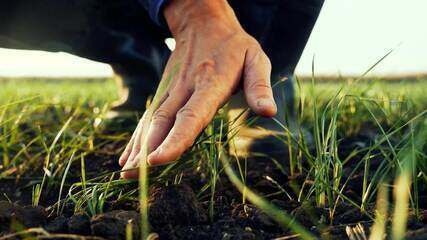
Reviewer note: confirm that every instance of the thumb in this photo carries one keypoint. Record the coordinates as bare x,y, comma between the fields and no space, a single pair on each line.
256,85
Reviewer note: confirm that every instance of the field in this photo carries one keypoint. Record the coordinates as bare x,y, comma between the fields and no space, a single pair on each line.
363,174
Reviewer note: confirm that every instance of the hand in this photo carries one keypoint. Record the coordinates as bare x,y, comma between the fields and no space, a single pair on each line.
213,53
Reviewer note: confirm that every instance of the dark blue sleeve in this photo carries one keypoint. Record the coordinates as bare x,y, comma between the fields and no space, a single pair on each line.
154,8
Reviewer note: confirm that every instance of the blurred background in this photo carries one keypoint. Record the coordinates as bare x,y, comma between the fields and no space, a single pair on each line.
349,37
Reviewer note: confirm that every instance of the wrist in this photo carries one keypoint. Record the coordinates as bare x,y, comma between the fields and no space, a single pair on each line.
183,14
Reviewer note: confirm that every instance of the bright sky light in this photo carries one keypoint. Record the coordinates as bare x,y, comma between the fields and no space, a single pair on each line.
349,36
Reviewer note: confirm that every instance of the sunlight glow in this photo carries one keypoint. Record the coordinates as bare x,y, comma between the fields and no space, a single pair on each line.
349,37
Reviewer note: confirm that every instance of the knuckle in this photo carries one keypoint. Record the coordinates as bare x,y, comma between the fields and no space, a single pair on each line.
205,67
253,42
208,64
136,149
261,54
267,62
259,85
161,115
188,113
195,119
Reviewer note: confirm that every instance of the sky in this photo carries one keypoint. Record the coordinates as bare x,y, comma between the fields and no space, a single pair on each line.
348,38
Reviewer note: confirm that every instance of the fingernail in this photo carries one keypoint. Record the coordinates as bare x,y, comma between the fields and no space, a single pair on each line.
266,103
151,156
124,173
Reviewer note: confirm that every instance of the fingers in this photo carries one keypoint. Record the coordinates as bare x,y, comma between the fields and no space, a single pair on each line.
129,157
161,123
190,121
257,86
164,117
126,153
131,149
130,170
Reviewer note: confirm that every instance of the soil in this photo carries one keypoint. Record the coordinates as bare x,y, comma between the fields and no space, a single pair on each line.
177,213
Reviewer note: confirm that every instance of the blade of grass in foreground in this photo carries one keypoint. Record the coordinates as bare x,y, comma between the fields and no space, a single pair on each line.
378,230
402,188
143,167
278,215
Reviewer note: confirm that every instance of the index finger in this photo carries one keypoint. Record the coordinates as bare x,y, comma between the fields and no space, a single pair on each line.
190,121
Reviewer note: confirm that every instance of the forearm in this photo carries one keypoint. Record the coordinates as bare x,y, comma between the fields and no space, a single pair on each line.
180,14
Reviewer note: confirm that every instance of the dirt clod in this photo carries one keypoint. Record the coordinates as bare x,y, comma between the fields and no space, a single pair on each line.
175,205
14,214
112,225
57,225
79,224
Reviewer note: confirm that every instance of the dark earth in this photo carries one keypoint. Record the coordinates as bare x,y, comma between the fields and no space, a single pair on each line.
177,213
